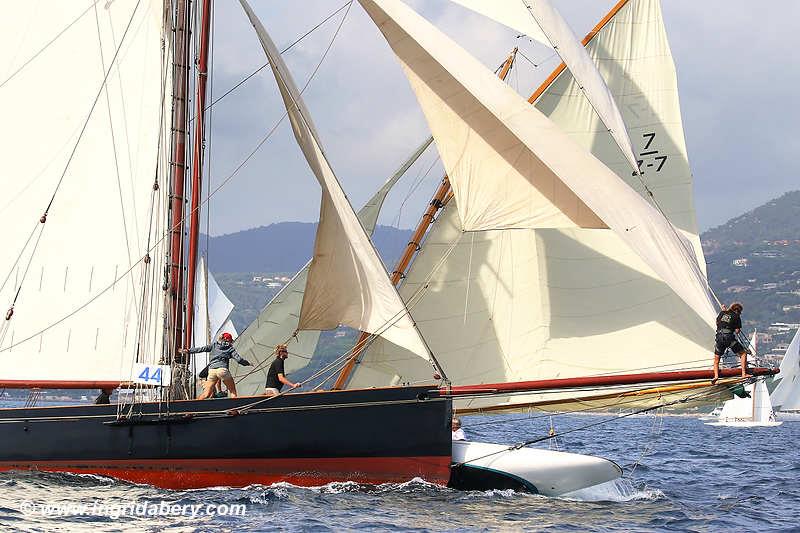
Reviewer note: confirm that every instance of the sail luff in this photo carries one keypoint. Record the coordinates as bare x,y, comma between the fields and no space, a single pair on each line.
347,282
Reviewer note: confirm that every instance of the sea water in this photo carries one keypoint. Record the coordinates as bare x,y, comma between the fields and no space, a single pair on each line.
680,475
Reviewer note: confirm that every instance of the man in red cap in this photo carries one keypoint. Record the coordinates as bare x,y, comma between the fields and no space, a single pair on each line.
222,352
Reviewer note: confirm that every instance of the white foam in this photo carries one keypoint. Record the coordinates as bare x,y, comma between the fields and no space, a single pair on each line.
616,490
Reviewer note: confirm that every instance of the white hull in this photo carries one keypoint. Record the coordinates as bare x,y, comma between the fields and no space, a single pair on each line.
546,472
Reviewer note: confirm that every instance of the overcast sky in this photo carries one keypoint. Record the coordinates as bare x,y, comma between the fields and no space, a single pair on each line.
737,73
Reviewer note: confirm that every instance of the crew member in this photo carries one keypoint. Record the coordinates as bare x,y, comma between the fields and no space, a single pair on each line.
222,351
276,376
729,325
458,433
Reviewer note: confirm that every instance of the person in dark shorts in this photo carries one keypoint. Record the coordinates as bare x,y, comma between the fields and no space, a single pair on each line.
729,324
276,375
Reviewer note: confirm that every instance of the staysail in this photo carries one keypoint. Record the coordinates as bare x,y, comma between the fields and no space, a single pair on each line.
503,306
786,396
540,19
347,283
279,319
92,150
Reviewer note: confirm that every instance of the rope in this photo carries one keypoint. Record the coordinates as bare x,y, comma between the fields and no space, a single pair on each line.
265,65
166,233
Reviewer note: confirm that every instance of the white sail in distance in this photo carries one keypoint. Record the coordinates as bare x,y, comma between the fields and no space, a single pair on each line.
786,396
279,319
347,283
212,311
540,20
537,304
71,322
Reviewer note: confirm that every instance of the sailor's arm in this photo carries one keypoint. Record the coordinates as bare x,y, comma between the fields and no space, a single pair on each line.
197,349
283,379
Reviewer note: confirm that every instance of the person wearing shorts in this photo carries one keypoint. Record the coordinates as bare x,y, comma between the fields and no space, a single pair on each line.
729,325
222,351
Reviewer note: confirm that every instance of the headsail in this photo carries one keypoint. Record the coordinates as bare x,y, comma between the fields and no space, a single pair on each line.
347,282
99,224
540,20
524,305
280,317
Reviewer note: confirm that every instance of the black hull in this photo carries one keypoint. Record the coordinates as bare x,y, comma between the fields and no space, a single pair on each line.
368,436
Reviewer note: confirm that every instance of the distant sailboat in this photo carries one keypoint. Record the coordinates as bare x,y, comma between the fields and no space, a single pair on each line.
754,411
786,396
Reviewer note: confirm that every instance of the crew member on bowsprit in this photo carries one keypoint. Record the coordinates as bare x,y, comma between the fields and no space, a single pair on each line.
276,376
729,324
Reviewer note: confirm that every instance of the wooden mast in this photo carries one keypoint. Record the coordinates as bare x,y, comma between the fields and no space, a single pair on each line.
440,198
180,86
197,169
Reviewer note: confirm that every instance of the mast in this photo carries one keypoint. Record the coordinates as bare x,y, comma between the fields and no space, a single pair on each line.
440,198
180,81
197,168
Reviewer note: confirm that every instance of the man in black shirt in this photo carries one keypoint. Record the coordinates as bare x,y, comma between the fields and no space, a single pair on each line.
276,376
729,324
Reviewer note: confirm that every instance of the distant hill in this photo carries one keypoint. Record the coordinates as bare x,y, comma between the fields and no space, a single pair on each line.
755,258
285,247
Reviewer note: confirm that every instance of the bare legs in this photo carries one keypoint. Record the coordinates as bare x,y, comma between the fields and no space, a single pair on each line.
743,358
716,369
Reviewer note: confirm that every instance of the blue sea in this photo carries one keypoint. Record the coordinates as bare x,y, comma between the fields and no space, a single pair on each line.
680,475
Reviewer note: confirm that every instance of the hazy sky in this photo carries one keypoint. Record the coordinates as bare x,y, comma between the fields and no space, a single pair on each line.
737,73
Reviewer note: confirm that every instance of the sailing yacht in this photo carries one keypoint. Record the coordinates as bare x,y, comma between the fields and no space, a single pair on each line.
526,286
755,410
786,395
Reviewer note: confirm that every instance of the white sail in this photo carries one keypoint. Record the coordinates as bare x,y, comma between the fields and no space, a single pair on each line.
539,18
70,321
347,282
212,311
786,396
538,304
279,319
753,411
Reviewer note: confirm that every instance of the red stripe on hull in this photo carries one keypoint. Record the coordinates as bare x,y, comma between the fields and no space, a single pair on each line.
200,473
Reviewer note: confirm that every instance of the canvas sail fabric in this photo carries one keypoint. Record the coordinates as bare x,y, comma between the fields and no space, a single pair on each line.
555,303
347,283
100,220
280,317
540,20
212,311
483,128
786,396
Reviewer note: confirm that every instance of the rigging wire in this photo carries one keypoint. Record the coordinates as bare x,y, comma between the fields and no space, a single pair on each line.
203,202
265,65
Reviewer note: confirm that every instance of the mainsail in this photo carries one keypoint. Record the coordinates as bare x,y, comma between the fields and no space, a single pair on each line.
503,306
89,158
347,283
278,321
786,396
